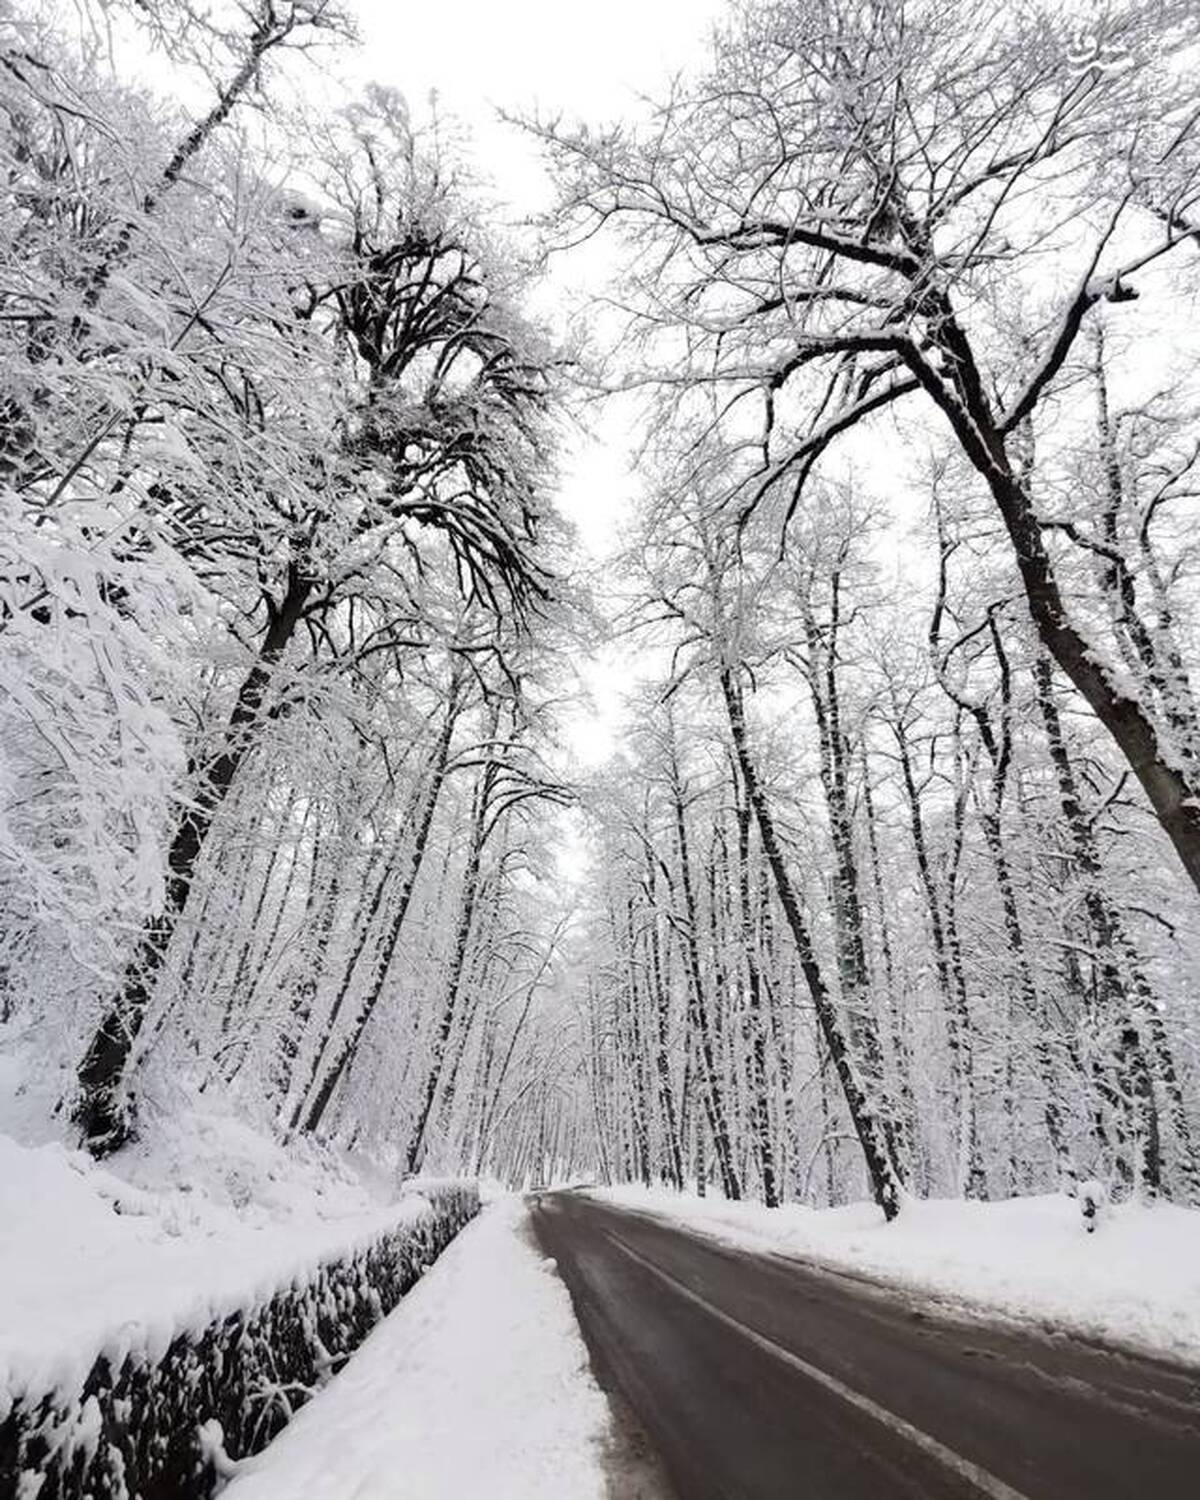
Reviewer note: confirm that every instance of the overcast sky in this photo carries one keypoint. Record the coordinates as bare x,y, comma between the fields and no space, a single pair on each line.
590,60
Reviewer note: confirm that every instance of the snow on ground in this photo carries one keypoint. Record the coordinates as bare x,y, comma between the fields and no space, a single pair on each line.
91,1265
163,1237
1134,1282
477,1384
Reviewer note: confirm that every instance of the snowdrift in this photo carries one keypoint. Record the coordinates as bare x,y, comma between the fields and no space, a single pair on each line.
188,1294
156,1422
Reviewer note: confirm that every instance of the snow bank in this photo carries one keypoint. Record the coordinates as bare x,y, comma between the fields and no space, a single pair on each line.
162,1427
477,1384
1134,1282
202,1217
91,1265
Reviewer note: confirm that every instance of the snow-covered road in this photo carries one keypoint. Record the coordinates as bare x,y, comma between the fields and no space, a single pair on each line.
478,1384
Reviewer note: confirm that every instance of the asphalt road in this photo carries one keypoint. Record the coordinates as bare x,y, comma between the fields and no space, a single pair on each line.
758,1376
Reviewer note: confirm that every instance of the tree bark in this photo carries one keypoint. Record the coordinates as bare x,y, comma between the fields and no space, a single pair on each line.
661,998
906,1126
328,1083
105,1116
458,957
702,1030
951,984
1122,1006
1167,785
754,1033
885,1180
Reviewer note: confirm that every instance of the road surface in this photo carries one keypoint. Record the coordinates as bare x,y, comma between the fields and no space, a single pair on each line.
758,1377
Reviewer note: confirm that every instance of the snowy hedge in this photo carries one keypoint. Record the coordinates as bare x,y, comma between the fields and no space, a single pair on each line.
160,1429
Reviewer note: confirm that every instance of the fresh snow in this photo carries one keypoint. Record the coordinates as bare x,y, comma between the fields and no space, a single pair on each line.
90,1265
1135,1282
162,1238
477,1384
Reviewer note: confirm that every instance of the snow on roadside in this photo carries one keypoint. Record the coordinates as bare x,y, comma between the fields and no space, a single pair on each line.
478,1383
203,1215
1134,1282
90,1263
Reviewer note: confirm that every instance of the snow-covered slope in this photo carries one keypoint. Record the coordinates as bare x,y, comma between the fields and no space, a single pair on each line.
1135,1281
203,1216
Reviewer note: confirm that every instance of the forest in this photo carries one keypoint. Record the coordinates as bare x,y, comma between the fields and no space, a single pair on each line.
887,887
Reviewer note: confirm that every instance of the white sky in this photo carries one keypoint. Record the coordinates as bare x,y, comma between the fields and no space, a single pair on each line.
586,60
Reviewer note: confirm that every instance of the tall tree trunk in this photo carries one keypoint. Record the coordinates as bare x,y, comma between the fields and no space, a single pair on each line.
849,928
313,1112
636,1052
661,999
722,991
103,1112
458,956
906,1126
865,1116
754,1032
943,929
308,981
604,1135
1122,1005
1027,990
252,965
1166,779
479,983
702,1028
233,997
1150,654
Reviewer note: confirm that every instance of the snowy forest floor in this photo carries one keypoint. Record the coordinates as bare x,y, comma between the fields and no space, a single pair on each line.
1133,1283
477,1384
164,1237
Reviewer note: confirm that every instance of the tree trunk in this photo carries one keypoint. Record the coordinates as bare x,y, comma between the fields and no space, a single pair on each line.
947,962
458,956
754,1032
308,980
232,1050
869,1127
424,822
103,1113
1027,990
906,1126
853,972
636,1052
1121,1006
1167,784
661,998
702,1031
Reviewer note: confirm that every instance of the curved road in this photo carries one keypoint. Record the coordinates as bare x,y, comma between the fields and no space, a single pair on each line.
758,1377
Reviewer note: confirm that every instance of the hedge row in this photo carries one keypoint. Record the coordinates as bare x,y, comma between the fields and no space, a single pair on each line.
146,1429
